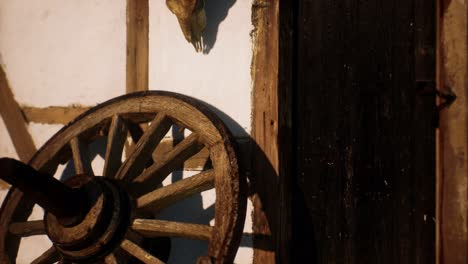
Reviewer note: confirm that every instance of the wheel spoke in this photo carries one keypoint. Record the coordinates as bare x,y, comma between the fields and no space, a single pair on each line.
155,174
48,257
111,259
135,132
154,228
141,254
167,195
25,229
115,143
141,153
81,157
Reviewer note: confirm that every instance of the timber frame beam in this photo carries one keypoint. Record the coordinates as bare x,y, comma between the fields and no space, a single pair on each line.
272,154
452,180
52,114
14,121
137,45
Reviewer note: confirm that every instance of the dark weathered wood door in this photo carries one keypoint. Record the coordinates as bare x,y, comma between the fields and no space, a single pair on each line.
365,148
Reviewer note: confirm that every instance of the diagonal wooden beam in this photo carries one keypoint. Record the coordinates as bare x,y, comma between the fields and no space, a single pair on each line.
14,121
137,45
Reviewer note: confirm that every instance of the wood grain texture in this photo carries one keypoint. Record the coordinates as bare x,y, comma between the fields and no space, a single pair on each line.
195,162
30,228
14,121
167,195
264,72
154,228
81,156
65,114
272,129
424,151
137,45
226,239
452,217
157,172
199,160
52,114
141,153
365,136
115,144
138,252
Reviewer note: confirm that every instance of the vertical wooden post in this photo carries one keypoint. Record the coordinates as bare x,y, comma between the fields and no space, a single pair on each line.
452,188
272,130
14,121
137,48
137,45
265,165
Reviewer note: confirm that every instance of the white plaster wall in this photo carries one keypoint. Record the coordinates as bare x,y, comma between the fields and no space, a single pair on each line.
221,74
63,52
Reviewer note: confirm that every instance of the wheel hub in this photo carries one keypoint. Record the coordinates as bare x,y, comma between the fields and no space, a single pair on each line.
101,229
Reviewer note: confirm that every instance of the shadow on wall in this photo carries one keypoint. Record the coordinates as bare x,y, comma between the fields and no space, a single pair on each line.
263,192
216,12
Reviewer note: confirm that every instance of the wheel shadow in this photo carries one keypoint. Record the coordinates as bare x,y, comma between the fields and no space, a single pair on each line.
262,190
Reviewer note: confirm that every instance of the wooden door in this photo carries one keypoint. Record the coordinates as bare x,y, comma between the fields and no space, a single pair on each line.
365,127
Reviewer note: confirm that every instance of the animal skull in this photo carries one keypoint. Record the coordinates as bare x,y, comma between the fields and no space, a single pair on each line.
192,19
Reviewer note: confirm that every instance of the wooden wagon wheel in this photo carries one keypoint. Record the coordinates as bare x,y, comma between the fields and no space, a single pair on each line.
111,217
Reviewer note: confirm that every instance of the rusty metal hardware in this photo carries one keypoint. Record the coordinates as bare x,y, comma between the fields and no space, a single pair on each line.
447,96
429,88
